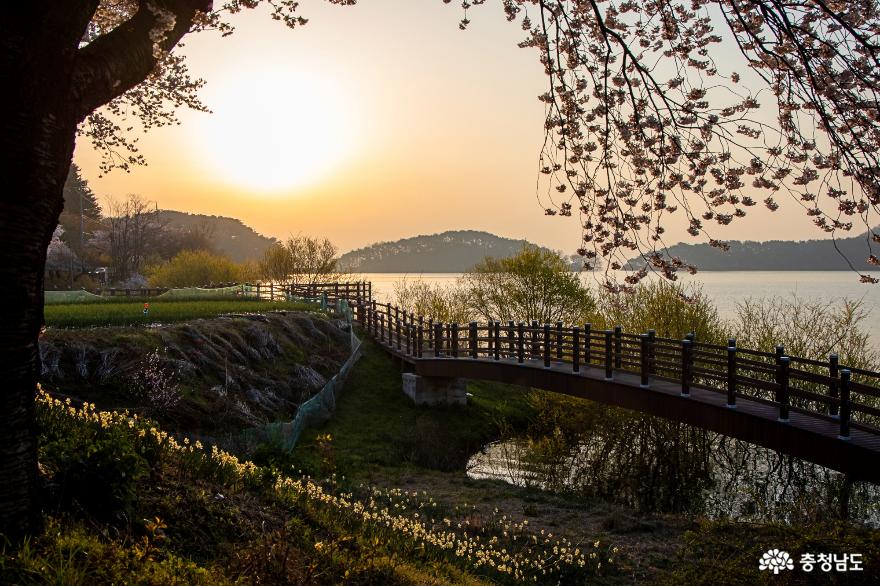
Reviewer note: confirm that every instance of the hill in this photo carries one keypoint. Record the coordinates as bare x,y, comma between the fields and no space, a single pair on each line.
228,236
775,255
453,251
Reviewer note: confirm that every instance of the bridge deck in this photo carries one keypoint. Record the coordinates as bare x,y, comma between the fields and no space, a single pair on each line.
811,437
821,399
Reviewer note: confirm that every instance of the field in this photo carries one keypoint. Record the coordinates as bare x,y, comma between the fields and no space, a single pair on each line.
127,312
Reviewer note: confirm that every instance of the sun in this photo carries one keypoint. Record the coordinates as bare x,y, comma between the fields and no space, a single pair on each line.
275,129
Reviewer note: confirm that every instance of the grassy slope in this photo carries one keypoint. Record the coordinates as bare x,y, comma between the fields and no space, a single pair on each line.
79,315
376,424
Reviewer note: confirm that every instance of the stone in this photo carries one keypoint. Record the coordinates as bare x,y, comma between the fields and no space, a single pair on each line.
423,390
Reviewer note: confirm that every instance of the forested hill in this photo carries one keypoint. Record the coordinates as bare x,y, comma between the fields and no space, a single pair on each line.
227,236
775,255
449,252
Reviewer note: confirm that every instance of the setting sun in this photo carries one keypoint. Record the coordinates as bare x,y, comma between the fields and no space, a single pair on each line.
273,129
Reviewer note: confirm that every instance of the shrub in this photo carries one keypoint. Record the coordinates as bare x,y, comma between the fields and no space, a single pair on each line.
670,308
96,466
192,268
445,303
535,284
155,384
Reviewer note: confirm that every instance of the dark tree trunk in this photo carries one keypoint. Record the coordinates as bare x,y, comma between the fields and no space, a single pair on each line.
36,139
49,84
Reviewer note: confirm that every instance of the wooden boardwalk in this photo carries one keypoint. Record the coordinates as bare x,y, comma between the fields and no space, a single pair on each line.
819,411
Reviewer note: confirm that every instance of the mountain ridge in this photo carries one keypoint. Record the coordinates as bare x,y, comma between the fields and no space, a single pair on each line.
774,255
452,251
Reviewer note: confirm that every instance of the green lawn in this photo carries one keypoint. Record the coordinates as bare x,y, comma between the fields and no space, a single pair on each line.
376,424
126,313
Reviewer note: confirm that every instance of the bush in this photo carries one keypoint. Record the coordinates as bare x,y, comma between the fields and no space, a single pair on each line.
192,268
670,308
95,466
535,284
443,303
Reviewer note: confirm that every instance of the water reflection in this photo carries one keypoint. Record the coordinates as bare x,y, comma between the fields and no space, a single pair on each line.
654,465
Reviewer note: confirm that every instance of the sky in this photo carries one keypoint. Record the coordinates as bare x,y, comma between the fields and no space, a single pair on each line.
373,122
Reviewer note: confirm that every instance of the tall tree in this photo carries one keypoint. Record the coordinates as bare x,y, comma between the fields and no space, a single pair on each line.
81,215
59,63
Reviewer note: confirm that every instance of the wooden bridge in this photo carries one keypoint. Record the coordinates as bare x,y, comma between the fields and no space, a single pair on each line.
819,411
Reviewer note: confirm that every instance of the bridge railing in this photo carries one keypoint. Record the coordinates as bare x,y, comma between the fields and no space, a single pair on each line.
825,389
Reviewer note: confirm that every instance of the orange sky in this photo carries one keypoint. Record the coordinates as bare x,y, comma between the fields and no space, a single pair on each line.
383,120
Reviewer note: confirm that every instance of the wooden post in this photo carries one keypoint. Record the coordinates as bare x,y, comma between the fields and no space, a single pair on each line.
547,345
618,346
535,349
652,360
845,405
431,332
438,339
780,352
473,339
520,351
497,337
609,355
782,381
382,328
510,339
834,384
420,341
336,291
398,325
645,356
731,373
559,341
687,363
454,338
588,345
409,334
575,349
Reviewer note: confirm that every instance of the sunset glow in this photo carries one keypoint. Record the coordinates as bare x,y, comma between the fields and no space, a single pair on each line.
274,128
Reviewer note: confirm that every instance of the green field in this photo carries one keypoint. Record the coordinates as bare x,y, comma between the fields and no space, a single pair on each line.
129,312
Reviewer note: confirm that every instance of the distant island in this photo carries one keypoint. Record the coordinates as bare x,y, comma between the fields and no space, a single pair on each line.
454,251
774,255
228,236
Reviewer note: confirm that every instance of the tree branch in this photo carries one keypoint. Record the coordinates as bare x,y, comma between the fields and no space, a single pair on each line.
122,58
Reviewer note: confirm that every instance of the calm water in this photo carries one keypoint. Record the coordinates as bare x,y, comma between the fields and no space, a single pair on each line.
725,288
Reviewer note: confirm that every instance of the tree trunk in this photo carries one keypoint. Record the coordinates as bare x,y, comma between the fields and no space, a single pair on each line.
37,133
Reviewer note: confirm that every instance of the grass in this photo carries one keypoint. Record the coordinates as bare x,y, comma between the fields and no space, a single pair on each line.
376,424
131,313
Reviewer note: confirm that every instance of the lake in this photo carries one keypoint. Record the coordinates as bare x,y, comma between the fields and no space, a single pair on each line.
726,288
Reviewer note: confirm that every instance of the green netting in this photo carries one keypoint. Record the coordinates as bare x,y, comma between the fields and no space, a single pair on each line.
58,297
320,407
219,292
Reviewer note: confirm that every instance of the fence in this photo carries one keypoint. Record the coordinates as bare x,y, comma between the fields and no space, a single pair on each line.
322,404
826,389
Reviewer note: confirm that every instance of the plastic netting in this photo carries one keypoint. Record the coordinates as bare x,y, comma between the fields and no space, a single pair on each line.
219,292
321,406
58,297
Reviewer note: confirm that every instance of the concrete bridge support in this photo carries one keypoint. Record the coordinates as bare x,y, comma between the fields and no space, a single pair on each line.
434,390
